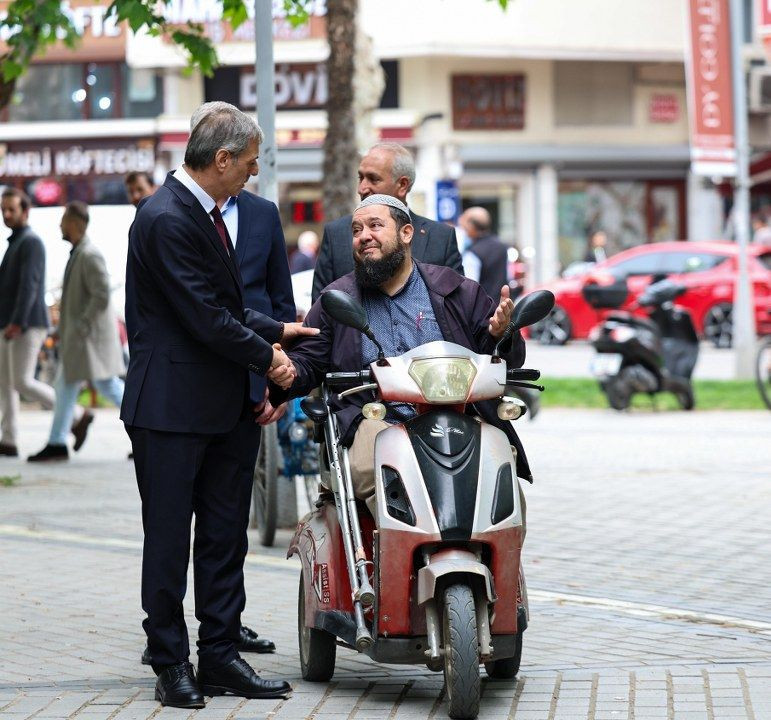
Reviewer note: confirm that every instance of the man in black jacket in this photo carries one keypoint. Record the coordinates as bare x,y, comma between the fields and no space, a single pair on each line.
23,317
387,169
186,408
489,253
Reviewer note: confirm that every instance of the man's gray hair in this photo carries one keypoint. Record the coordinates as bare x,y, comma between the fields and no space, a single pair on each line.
219,126
403,162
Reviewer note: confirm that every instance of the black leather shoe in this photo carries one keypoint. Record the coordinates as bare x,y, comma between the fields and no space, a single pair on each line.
50,453
251,642
238,678
9,450
80,429
147,659
177,687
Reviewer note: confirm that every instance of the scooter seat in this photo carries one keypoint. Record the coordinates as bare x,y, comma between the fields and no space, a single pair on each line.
315,408
633,320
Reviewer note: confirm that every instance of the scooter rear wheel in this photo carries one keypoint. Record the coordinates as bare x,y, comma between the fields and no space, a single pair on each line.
265,489
461,652
506,668
318,649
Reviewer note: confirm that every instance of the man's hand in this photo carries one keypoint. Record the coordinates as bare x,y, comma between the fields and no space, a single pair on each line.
281,372
265,413
294,330
11,331
500,320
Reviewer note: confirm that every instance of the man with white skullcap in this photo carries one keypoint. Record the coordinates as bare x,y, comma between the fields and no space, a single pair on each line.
386,169
408,304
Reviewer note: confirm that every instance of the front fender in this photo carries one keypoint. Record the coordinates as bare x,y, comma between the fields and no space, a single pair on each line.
452,562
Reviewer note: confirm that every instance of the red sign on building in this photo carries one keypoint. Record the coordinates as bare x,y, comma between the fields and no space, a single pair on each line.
710,102
764,24
663,108
488,102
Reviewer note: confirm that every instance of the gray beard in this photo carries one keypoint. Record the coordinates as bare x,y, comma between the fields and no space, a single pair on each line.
372,274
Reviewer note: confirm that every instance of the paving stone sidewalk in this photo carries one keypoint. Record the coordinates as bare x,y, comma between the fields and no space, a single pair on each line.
646,555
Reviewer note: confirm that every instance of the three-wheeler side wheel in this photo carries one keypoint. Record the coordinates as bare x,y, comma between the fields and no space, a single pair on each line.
318,648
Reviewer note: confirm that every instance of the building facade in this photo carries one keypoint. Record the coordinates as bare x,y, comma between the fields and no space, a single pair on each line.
560,118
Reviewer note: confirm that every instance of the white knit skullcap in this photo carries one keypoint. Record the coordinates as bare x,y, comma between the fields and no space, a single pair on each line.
384,200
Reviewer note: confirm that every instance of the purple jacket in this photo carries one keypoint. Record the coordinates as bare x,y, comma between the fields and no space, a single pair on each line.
462,310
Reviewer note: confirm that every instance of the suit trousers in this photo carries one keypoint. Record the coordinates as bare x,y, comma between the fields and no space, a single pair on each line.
18,358
180,475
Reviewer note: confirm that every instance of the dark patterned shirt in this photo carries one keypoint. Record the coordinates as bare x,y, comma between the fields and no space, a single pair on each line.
400,323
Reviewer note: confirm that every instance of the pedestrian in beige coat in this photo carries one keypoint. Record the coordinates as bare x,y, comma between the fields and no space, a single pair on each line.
89,349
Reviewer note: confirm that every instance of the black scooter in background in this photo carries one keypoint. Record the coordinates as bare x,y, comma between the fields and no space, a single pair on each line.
643,355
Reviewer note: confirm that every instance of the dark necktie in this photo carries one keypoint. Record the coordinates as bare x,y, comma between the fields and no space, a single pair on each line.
222,231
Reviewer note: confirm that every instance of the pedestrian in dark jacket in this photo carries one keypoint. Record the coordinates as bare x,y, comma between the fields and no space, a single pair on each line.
488,262
23,317
408,304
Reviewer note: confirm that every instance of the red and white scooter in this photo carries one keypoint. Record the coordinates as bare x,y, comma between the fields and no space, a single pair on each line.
439,581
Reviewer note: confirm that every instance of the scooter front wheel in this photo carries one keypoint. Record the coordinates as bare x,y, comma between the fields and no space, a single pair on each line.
461,652
318,648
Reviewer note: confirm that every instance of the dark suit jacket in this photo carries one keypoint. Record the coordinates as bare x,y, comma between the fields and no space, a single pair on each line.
190,339
462,310
493,256
432,242
22,281
261,256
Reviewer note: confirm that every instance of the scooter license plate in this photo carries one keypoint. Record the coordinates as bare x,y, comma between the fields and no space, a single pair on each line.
606,365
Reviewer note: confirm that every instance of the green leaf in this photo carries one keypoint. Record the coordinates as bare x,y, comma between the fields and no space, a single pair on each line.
234,12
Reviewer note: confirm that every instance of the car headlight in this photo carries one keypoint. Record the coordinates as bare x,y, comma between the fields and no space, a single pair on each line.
443,380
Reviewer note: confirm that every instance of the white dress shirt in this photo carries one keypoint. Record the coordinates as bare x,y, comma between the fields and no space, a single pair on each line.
229,210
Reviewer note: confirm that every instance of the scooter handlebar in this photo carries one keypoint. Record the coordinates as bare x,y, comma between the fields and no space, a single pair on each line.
518,374
337,380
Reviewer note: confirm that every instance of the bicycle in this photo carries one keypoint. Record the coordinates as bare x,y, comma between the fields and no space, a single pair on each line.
763,369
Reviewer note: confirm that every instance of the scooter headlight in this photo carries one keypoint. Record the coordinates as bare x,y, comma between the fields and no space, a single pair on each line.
297,432
443,380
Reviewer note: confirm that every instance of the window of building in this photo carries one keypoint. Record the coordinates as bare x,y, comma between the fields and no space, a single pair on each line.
85,91
593,93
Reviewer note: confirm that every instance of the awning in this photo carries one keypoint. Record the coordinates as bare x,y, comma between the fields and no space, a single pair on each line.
634,161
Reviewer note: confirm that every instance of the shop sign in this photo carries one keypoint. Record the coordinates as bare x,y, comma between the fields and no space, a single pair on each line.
101,37
208,13
297,86
447,201
488,102
709,85
764,24
663,108
75,160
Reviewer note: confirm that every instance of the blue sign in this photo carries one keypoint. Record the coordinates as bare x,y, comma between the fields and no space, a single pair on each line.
447,201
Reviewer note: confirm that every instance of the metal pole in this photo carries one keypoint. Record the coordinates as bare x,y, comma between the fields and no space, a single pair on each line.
266,107
743,310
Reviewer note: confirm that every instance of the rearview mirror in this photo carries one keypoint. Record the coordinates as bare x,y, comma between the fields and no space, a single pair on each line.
532,308
348,311
345,309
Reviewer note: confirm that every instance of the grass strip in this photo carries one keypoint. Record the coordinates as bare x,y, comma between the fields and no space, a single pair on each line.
710,395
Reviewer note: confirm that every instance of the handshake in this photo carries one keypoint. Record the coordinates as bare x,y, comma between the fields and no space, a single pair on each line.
282,371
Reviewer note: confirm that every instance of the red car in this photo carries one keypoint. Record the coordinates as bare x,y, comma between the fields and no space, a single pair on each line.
708,269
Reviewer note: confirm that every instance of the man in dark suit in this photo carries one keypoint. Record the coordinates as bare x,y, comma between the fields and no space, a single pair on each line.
387,169
254,227
187,411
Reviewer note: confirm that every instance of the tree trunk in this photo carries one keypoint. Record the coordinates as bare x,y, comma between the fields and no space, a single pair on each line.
340,152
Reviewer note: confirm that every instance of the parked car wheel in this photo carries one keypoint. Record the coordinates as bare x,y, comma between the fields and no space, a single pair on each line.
553,329
718,325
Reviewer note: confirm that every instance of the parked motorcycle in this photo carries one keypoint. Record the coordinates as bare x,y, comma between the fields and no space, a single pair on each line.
643,355
439,581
